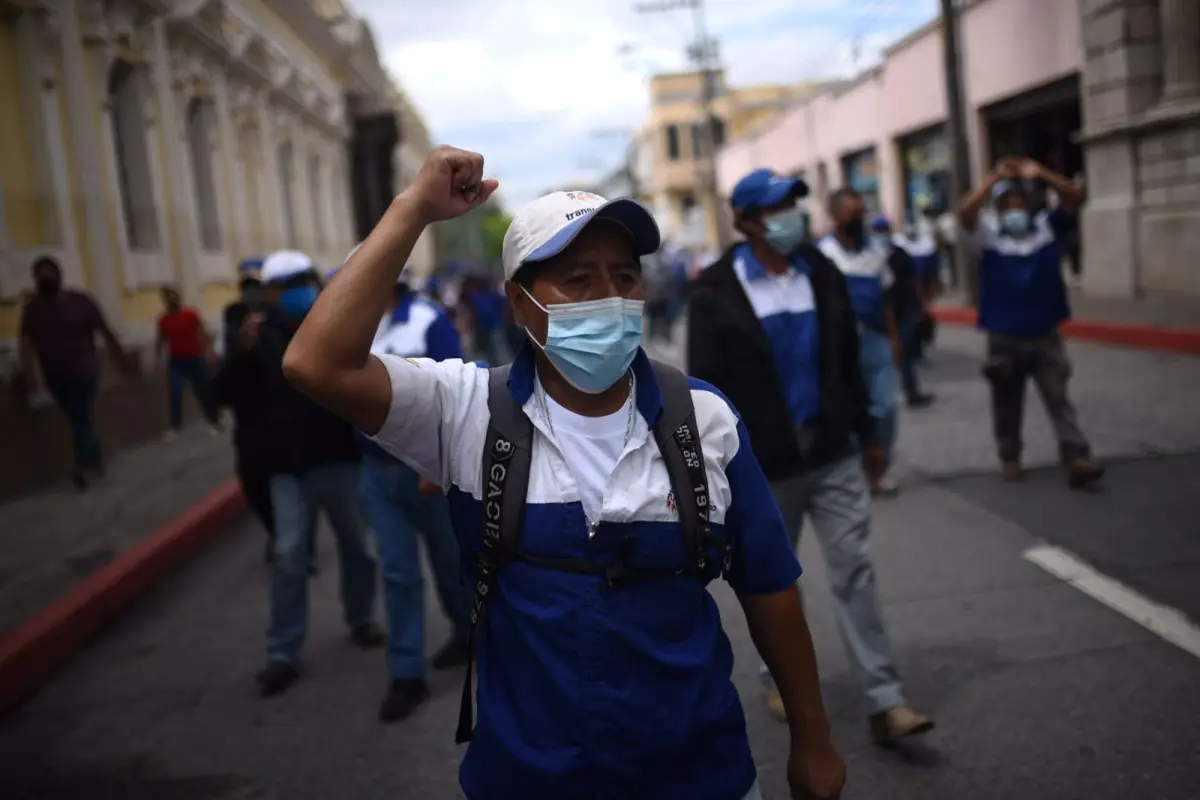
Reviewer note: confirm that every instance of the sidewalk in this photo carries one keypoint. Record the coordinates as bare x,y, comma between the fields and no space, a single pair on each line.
1155,324
53,540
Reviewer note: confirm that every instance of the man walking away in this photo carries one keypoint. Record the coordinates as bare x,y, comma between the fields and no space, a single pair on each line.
907,298
1022,301
401,504
313,461
922,243
771,325
869,279
189,351
58,332
594,495
246,400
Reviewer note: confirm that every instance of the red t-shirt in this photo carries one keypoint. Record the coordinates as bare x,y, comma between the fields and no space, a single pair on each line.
181,331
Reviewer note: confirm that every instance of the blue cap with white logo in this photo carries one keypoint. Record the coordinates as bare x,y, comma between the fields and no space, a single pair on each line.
763,188
880,223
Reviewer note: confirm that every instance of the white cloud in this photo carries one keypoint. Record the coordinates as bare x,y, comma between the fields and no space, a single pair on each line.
528,83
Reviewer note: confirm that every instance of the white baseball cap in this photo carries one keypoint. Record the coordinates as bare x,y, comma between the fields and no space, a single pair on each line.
545,227
283,265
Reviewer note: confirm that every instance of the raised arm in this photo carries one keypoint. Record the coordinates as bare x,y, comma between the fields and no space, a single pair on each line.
329,358
972,204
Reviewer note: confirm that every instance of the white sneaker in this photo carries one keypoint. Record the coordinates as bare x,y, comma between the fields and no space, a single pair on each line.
886,485
215,430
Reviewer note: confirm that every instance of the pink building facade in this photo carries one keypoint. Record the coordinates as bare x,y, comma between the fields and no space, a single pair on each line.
884,132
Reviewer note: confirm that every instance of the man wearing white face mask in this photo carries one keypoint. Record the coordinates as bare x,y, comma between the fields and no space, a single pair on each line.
594,495
772,326
1022,301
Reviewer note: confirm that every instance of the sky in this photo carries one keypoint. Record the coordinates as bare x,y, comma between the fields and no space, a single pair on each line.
550,90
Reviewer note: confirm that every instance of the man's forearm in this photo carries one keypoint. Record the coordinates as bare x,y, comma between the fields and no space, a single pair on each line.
969,208
780,632
337,333
1071,195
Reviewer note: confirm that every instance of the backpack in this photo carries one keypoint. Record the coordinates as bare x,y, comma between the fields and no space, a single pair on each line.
507,456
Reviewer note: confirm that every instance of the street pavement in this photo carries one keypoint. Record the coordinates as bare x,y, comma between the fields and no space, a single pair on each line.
1039,691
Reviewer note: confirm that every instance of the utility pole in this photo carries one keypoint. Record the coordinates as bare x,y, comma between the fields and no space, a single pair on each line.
960,152
703,52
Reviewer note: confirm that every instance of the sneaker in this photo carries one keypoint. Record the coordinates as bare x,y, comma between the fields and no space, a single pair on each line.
275,678
454,654
775,704
887,485
1083,472
919,401
170,436
215,429
404,696
367,636
898,723
1012,471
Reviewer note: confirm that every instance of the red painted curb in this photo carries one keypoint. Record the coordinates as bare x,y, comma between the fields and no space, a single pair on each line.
1146,337
30,655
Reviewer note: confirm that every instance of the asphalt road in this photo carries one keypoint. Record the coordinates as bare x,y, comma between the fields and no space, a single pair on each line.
1039,691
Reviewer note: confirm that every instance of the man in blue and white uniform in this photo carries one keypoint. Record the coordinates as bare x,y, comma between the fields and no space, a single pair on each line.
1022,301
589,684
908,301
771,325
402,505
868,277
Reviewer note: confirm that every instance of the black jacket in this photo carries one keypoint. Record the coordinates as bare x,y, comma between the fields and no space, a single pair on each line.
904,294
728,348
290,433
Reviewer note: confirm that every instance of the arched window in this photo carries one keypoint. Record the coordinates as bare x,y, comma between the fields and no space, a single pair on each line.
287,184
200,132
316,196
132,157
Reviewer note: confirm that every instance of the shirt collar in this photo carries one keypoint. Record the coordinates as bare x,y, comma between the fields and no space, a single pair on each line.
521,382
755,270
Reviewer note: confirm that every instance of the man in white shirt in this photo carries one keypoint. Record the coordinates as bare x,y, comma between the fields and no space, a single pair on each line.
589,684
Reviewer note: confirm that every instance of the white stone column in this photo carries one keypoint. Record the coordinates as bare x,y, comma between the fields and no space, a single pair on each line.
235,224
274,229
1180,25
89,159
302,201
171,93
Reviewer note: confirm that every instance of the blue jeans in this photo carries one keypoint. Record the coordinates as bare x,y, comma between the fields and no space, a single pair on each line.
194,371
398,512
295,500
77,399
879,371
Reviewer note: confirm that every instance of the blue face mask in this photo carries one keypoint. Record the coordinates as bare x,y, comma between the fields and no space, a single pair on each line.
592,344
1015,222
297,301
785,230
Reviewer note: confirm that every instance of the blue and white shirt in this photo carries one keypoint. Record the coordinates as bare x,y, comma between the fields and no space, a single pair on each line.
924,252
416,328
868,278
785,307
585,691
1021,289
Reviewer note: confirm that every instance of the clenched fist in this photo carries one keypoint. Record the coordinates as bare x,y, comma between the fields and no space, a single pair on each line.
449,185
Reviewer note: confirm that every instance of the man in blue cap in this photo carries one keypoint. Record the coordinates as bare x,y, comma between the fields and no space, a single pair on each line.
772,325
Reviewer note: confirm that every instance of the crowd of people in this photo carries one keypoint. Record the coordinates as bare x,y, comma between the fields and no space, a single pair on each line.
575,498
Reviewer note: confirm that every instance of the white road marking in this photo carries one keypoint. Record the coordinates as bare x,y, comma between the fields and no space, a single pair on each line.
1164,621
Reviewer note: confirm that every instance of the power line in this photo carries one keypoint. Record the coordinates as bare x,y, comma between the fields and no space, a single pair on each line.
704,54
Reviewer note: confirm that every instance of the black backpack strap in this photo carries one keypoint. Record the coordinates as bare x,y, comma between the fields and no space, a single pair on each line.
507,455
678,440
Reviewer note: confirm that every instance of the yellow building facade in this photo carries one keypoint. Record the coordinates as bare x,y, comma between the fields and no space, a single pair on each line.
148,142
153,142
670,160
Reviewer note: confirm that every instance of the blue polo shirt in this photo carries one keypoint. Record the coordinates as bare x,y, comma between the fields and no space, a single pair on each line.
586,691
868,278
1021,289
785,307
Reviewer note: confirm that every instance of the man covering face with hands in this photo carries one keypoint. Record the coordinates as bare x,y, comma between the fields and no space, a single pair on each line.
594,495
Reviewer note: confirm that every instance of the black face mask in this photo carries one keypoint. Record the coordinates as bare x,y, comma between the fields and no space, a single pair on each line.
855,228
48,286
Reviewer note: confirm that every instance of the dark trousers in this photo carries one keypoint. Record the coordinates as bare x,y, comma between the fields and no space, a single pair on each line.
256,484
1010,362
77,399
910,340
192,371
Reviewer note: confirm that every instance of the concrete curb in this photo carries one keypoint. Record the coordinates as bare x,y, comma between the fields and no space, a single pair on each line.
1146,337
34,652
